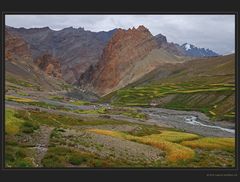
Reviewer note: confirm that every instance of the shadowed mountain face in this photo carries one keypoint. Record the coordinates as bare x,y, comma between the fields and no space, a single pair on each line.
75,49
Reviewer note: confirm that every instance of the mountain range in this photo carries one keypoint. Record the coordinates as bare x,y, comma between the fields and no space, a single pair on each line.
100,62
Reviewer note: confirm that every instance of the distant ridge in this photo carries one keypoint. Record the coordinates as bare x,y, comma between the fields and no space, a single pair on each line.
194,51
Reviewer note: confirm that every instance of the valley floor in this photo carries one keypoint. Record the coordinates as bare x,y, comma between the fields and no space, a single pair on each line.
51,131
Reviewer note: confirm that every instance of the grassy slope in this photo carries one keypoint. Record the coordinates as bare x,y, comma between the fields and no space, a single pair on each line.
205,85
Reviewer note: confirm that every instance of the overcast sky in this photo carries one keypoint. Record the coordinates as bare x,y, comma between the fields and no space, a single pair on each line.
216,32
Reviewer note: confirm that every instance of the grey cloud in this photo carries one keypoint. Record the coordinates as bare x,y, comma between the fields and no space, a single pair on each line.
216,32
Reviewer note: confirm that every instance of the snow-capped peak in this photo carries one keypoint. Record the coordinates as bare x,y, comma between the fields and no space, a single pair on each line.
187,46
194,51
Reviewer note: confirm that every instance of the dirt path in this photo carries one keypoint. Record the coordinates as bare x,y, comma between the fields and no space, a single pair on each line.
41,146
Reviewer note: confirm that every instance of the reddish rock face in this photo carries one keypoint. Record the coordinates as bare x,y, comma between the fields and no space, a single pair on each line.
125,49
16,48
49,65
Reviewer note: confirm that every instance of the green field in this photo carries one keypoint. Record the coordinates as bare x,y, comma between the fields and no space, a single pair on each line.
215,100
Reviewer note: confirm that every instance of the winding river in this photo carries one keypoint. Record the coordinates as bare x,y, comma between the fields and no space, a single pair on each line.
189,121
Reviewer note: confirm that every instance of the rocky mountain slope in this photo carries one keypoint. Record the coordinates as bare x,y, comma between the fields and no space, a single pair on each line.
128,56
16,49
26,74
170,47
21,69
49,65
75,49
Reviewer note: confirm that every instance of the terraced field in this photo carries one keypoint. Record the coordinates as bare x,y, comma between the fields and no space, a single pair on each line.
215,100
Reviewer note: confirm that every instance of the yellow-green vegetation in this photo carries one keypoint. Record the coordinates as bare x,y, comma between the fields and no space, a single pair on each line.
212,113
143,94
16,156
19,99
127,111
21,82
23,94
58,120
12,123
209,143
10,86
62,156
173,136
180,147
56,97
65,86
196,96
130,112
205,90
143,130
226,85
174,151
32,102
101,110
29,127
135,115
207,158
80,102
